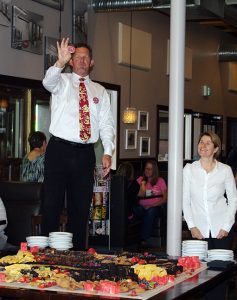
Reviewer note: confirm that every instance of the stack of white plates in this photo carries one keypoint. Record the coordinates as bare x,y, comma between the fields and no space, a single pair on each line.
220,254
60,240
195,248
39,241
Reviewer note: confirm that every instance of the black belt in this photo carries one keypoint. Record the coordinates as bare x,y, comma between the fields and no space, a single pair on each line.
78,145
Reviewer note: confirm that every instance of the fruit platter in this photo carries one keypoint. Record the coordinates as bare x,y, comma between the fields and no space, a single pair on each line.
126,275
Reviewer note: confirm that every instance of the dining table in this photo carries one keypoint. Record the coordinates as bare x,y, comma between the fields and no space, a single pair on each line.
201,286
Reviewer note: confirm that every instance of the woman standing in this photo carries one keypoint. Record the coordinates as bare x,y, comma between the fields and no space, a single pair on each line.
150,185
208,213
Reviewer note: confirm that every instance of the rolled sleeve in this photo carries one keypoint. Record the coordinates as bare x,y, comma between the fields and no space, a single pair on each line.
52,79
187,197
106,125
231,193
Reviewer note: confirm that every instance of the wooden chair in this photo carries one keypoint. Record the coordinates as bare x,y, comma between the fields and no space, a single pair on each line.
36,222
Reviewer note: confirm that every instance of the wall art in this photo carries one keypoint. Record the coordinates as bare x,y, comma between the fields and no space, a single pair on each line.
50,52
131,139
57,4
5,13
143,118
80,21
27,30
144,146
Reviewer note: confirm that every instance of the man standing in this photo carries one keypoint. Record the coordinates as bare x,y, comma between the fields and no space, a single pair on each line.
80,114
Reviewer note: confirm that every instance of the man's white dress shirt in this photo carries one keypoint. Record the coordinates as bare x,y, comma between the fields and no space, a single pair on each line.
3,217
204,204
64,88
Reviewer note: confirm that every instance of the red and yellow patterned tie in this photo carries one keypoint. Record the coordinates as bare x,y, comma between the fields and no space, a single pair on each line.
84,113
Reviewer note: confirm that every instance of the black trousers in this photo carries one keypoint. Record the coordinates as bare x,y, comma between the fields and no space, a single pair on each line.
224,243
219,292
69,167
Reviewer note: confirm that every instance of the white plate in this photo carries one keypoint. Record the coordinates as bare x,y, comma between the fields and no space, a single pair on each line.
37,238
60,241
194,242
194,248
54,245
62,247
200,256
218,258
221,256
60,233
40,246
214,255
220,251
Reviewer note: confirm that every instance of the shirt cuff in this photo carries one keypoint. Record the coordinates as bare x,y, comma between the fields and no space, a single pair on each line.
227,227
190,225
108,150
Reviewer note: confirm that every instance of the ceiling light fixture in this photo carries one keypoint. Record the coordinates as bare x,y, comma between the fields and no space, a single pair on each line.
130,113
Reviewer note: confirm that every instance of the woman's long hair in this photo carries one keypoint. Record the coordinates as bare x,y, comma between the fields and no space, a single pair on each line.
155,171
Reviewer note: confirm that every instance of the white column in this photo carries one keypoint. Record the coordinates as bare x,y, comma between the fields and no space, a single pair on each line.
176,126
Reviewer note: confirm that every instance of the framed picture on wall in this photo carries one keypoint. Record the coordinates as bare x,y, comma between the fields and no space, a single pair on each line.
50,52
27,30
144,146
5,13
131,139
143,118
80,21
57,4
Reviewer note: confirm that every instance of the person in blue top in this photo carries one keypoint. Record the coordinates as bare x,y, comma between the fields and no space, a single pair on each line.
33,162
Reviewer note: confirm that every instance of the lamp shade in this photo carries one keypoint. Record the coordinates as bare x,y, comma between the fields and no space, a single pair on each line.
3,103
130,115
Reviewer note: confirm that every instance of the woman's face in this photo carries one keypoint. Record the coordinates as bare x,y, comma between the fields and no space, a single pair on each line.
148,170
206,148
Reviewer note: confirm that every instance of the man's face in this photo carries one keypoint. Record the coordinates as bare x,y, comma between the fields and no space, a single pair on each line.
81,62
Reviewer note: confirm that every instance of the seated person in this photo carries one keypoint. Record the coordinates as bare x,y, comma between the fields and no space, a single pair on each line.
3,225
126,169
150,185
33,162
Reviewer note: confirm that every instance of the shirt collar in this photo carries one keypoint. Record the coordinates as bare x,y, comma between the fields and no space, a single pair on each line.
216,165
76,77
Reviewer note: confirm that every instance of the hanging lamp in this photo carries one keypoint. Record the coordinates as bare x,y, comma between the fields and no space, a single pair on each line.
130,113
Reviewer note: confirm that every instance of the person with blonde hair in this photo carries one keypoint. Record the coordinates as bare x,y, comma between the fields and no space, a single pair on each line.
209,195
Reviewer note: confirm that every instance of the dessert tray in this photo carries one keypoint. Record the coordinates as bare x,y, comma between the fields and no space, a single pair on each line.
127,275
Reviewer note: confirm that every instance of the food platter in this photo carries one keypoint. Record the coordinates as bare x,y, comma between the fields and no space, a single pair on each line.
128,275
144,296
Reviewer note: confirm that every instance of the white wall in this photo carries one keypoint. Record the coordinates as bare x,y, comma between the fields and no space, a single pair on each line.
24,64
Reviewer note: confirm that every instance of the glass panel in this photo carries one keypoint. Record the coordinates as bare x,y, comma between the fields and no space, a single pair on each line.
187,136
11,128
163,135
41,113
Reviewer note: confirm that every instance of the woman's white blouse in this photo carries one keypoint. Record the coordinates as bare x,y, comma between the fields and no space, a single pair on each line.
204,204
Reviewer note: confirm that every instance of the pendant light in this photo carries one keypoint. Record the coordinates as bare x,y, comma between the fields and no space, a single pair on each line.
60,20
130,113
